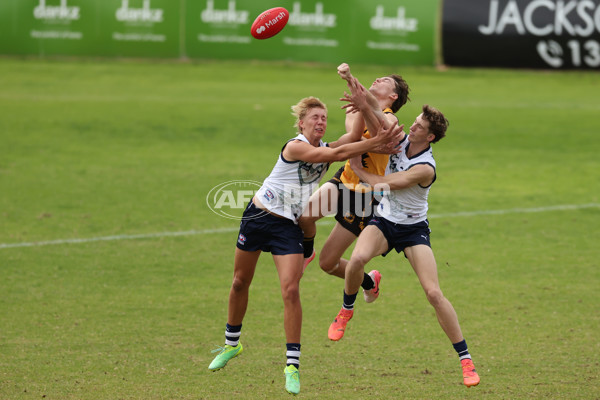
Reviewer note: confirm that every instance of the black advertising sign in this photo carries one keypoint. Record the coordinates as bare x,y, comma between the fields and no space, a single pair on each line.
550,34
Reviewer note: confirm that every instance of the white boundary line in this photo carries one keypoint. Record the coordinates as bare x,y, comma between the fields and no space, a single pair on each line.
235,229
517,210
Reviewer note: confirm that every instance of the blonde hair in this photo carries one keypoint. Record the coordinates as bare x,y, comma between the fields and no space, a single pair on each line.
303,107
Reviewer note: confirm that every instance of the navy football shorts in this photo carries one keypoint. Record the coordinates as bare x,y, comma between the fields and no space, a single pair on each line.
401,236
260,230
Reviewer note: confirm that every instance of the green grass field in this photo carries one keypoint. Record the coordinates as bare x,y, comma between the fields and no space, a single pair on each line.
104,150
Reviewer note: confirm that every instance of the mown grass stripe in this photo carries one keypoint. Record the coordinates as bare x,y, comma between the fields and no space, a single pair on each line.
564,207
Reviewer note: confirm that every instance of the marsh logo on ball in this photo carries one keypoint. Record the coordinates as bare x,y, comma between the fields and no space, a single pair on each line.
229,199
269,23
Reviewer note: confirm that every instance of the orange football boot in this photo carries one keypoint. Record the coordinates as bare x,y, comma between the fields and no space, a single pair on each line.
338,326
470,376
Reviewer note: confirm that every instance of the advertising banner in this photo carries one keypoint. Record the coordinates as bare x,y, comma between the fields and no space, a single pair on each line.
380,32
548,34
46,27
383,32
223,31
138,28
131,28
395,32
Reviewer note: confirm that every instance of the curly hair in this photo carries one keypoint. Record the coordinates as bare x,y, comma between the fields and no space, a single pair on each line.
438,124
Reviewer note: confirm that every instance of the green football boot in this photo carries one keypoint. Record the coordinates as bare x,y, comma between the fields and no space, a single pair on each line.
292,379
225,354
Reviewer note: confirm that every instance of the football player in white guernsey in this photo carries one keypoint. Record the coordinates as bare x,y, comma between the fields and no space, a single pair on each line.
269,224
401,223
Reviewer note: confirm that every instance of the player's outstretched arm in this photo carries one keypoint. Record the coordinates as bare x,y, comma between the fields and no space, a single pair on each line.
354,135
351,117
419,174
299,150
362,100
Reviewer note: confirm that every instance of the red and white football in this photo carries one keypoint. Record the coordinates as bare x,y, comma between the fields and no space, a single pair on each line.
269,23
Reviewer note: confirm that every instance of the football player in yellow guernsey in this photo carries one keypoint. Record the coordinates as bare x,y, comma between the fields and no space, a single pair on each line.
345,195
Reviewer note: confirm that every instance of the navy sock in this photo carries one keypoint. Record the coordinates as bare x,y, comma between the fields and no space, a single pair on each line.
232,334
293,354
367,282
349,300
309,246
461,349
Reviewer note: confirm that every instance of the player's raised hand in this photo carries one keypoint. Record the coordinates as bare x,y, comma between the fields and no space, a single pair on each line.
350,108
344,71
391,134
357,100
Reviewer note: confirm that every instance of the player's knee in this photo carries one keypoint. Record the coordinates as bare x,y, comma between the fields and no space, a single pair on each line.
303,221
327,264
309,216
434,296
290,293
358,260
239,284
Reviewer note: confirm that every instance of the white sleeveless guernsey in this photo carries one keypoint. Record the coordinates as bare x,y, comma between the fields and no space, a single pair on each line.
406,206
287,189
